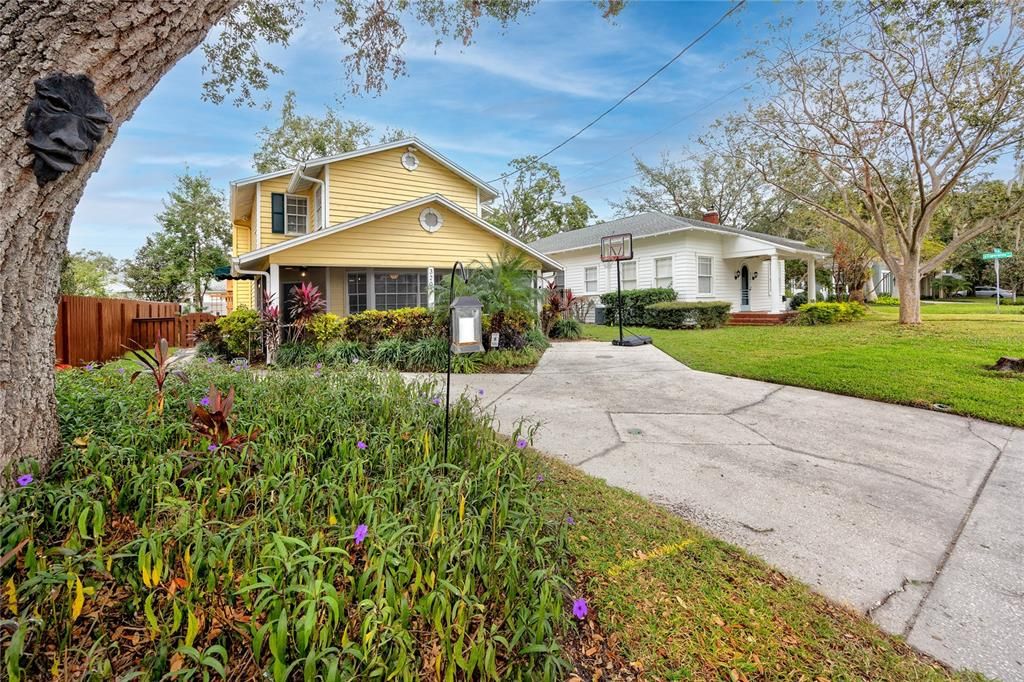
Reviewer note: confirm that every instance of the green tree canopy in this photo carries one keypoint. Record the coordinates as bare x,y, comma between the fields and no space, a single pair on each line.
530,206
88,273
195,234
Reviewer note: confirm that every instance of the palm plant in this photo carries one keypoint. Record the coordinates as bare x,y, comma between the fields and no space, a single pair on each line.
504,284
159,365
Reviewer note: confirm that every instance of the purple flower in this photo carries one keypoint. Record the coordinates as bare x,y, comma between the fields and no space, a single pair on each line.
435,400
25,479
569,520
319,365
205,401
210,361
579,608
90,367
540,478
521,443
316,372
361,445
480,391
212,448
120,370
361,532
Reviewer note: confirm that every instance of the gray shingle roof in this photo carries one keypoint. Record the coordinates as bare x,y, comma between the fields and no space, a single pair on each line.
645,225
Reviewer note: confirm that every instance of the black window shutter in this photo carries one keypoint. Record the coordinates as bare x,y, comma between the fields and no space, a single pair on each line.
277,213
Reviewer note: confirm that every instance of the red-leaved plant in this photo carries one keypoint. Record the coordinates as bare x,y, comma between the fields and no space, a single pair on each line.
159,365
557,306
306,301
211,419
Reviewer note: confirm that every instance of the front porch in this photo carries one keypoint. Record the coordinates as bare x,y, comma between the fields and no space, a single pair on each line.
755,284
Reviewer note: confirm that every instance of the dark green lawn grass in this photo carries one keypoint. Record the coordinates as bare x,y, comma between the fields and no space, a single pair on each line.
682,605
941,362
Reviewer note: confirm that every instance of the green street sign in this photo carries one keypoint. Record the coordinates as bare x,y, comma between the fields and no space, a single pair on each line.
994,255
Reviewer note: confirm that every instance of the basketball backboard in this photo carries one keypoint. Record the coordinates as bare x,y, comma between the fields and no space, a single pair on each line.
617,247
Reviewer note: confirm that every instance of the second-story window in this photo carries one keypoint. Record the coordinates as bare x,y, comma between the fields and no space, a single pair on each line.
296,214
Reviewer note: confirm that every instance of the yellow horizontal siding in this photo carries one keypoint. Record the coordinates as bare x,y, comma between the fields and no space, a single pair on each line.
399,241
268,187
374,182
336,288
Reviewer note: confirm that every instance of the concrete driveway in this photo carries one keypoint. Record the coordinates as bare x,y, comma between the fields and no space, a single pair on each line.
911,516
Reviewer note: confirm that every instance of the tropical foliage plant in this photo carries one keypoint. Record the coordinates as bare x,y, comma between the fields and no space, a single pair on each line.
344,545
160,365
306,301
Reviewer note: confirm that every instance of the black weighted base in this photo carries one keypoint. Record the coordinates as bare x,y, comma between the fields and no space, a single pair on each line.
632,341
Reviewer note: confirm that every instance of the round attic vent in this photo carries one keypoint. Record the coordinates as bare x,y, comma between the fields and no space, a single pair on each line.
430,220
409,161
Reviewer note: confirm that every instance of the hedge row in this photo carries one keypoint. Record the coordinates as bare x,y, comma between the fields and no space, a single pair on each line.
634,304
687,314
829,313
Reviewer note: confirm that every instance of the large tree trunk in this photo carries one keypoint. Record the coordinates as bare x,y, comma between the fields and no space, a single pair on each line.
908,279
126,46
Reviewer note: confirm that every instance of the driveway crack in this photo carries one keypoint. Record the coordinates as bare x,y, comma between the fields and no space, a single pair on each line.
892,593
762,400
912,621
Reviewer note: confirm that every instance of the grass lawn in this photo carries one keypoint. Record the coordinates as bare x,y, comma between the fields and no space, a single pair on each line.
941,362
683,605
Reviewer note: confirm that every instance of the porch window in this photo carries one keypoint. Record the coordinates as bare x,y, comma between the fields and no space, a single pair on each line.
628,275
663,272
356,292
393,290
296,215
705,285
590,280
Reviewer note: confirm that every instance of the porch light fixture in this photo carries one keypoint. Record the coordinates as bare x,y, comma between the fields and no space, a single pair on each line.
465,334
754,276
737,275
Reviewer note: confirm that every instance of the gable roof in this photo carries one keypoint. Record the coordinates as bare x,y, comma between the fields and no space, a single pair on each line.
398,208
486,191
651,223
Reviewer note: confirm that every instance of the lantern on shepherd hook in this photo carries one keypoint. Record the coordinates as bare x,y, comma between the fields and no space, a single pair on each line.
465,334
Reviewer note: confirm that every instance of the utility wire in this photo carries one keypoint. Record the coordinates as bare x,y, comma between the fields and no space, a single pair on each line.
629,94
707,105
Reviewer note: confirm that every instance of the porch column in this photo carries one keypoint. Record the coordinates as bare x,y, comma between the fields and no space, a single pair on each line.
274,296
430,288
775,286
812,282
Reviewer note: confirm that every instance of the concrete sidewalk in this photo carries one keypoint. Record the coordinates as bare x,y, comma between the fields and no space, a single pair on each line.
914,517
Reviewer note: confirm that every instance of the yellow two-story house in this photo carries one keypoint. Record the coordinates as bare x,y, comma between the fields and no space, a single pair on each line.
373,229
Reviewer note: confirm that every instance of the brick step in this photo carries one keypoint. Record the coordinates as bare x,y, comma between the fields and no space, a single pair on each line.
752,319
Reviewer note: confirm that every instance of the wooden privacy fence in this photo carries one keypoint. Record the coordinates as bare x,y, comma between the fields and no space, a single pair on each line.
97,329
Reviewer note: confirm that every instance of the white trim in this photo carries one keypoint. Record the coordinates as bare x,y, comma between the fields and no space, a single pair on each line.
687,228
256,238
398,208
710,275
413,160
327,196
386,146
308,217
430,211
479,206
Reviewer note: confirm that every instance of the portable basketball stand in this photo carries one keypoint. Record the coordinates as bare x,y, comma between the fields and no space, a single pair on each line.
616,248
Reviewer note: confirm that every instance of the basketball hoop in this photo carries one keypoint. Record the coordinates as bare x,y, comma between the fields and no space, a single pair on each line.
616,247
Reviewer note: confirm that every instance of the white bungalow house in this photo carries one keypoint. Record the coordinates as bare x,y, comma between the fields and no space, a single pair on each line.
699,259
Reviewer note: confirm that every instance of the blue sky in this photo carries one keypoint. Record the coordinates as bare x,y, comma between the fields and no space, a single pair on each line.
507,95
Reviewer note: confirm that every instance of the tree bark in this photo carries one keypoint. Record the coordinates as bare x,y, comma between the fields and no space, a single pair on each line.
908,279
125,46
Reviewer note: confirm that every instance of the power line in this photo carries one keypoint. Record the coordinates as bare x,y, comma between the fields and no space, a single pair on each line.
629,94
706,105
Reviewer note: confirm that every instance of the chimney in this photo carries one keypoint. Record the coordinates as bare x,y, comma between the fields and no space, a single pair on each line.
711,217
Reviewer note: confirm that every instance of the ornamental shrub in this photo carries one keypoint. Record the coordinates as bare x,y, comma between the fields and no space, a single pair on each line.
829,312
886,300
391,353
248,560
535,339
210,341
566,328
797,300
687,314
242,330
634,304
324,327
409,324
511,326
427,355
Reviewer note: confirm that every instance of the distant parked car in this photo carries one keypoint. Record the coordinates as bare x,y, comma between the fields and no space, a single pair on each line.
961,293
991,292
